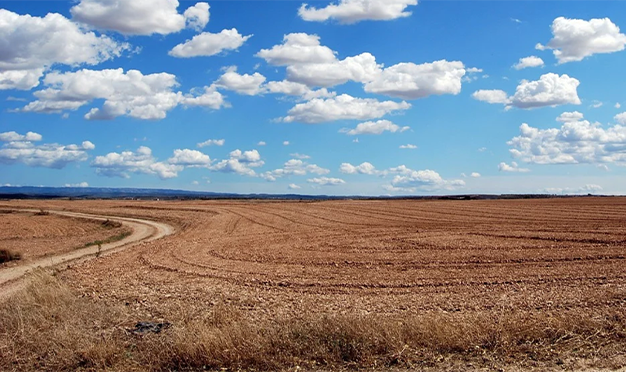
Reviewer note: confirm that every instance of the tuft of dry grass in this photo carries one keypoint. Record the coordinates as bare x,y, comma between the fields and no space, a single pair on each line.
48,327
42,212
7,255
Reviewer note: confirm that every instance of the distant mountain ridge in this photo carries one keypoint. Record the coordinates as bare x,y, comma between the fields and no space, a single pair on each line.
34,192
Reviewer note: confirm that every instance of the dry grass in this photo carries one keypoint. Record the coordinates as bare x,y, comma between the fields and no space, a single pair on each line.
47,327
7,255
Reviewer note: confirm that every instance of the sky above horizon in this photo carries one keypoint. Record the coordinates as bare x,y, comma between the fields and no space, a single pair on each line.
345,97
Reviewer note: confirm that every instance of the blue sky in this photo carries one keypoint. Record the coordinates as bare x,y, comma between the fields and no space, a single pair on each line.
345,97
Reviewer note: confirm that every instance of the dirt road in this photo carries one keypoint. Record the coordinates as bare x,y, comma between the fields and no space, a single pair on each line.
143,231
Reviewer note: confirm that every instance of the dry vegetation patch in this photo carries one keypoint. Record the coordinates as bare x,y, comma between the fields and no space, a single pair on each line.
48,327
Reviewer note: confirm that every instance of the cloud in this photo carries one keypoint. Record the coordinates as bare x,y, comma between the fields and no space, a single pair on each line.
596,104
16,137
343,107
261,143
310,63
314,65
295,167
575,142
207,44
576,39
140,17
211,98
377,127
250,85
293,186
325,181
411,81
79,185
212,142
197,16
409,180
20,79
300,156
190,158
504,167
240,162
291,88
140,162
408,147
30,45
550,90
621,118
475,175
618,105
125,94
568,117
491,96
364,168
526,62
21,149
298,48
361,69
586,189
353,11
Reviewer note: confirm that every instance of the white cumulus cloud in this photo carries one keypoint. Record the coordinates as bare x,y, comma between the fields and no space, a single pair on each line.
212,142
409,180
325,181
353,11
550,90
342,107
295,167
492,96
246,84
125,94
576,39
207,44
140,17
513,167
412,81
240,162
29,45
139,162
20,148
526,62
298,48
363,168
377,127
577,141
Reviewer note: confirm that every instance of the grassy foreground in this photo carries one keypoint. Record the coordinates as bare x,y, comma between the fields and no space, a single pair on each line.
48,327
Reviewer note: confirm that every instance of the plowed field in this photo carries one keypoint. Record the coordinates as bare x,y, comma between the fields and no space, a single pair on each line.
529,259
372,256
36,236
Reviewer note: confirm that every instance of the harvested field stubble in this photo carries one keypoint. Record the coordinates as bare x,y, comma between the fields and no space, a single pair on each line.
270,285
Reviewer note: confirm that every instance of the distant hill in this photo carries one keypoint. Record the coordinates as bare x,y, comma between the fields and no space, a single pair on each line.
32,192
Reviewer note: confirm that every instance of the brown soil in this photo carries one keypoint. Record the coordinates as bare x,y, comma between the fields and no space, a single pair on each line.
394,259
37,235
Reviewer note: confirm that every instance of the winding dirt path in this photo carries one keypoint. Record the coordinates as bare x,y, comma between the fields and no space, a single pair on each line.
143,231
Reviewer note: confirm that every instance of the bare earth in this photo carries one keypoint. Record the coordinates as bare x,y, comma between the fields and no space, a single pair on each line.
395,258
37,236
